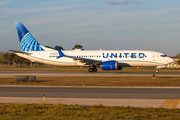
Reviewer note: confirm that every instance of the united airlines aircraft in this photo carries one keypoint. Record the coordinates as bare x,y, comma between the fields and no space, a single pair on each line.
104,59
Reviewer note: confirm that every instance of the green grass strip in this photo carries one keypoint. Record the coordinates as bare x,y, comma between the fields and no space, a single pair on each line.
75,112
98,81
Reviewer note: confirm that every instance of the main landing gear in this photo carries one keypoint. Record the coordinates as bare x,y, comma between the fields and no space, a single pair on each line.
92,69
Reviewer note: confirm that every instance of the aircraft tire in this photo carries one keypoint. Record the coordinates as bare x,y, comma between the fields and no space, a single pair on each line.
94,69
156,70
90,70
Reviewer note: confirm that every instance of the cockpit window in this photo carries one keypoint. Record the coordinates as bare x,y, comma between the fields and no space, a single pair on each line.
164,55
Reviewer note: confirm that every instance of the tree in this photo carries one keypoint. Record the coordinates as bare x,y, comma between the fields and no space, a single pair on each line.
178,55
61,48
6,56
77,47
2,60
26,62
12,55
49,47
14,61
178,62
19,59
9,60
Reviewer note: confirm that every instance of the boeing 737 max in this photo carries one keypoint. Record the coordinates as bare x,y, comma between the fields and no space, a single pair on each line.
105,59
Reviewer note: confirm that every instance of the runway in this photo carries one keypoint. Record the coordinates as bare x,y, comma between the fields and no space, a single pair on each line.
56,74
107,96
91,92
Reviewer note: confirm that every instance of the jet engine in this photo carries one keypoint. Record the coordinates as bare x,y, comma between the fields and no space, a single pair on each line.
110,65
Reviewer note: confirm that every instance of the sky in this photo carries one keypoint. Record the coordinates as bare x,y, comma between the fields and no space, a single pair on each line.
110,25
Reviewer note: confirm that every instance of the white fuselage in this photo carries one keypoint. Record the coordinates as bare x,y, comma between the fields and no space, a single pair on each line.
125,58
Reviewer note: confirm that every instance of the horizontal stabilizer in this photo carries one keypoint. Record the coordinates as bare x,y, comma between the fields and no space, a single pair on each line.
20,52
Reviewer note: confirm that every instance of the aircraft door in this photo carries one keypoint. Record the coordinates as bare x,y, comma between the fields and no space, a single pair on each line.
159,58
154,57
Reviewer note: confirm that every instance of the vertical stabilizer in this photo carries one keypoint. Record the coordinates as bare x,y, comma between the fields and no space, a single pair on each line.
27,41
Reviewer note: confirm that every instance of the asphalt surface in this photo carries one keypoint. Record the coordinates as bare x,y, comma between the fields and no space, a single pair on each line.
91,92
56,74
166,97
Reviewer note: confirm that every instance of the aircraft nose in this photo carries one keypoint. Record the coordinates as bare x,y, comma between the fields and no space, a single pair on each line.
170,60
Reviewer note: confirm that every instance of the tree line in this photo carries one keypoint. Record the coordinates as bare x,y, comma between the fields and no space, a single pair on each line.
61,48
11,58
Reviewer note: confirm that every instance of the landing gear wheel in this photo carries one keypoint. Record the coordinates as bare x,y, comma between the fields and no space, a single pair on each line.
92,69
156,70
95,70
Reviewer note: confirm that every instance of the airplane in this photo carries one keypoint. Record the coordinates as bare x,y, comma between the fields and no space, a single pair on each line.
104,59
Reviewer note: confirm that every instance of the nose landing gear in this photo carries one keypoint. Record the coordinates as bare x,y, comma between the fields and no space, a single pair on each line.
92,69
156,70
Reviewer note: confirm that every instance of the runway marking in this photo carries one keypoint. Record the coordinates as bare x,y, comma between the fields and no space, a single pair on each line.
171,103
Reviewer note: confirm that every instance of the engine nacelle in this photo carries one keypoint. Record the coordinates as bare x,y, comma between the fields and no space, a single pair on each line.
110,65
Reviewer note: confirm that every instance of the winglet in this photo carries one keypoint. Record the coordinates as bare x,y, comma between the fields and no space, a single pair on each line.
61,54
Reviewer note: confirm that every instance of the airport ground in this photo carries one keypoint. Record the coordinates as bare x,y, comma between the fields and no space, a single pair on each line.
161,92
75,112
148,81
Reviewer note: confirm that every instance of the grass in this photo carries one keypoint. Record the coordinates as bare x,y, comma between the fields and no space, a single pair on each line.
97,81
75,112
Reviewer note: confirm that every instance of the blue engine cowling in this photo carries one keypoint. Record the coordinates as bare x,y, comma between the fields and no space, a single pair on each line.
110,65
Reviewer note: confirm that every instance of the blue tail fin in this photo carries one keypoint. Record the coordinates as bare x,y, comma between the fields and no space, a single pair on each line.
27,41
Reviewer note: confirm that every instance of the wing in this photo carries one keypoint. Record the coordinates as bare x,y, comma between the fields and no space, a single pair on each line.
86,61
